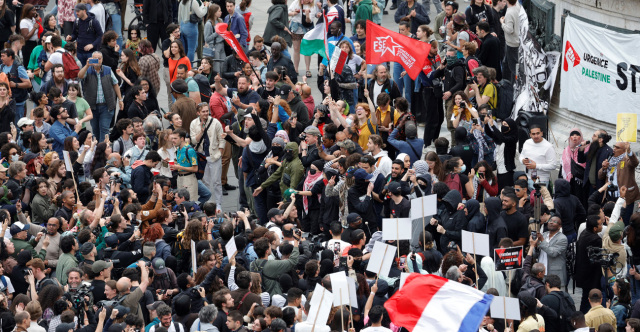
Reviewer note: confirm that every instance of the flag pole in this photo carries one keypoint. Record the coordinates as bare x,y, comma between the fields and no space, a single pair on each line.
509,289
350,305
424,235
398,237
504,307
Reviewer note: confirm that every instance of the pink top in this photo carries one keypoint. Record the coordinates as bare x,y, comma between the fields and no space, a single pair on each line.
66,11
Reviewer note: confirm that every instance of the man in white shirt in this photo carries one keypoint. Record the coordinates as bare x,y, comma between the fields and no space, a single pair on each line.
206,137
538,156
336,244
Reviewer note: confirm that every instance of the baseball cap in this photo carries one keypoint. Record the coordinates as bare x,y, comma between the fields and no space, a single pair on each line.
81,6
284,90
154,305
122,310
362,174
18,227
348,145
111,241
353,217
24,121
86,248
159,266
274,212
615,233
394,188
313,130
100,265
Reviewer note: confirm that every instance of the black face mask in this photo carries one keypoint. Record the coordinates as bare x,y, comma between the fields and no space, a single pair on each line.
277,151
505,129
288,156
312,171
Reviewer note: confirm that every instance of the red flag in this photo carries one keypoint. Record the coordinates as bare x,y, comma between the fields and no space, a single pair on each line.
385,45
221,29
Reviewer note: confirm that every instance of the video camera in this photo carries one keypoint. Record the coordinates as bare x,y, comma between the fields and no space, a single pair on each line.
602,257
77,296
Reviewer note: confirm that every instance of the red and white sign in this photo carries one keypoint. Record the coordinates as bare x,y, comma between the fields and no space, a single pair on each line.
221,29
387,45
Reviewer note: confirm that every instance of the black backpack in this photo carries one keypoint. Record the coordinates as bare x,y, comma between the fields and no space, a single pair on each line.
504,109
203,85
567,308
529,288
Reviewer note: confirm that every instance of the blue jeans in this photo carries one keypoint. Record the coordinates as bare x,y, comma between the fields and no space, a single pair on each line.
19,111
635,287
190,32
404,84
203,192
101,121
260,205
54,11
83,56
116,25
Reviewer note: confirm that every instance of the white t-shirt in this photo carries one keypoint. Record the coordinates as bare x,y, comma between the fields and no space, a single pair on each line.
377,88
98,11
28,24
55,58
355,61
336,246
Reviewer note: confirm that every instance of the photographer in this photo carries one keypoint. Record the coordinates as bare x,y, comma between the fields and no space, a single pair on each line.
533,274
553,249
612,237
119,167
26,129
480,88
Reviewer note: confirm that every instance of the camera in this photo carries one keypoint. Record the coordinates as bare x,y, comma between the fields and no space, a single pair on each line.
472,80
107,303
115,179
114,261
78,295
602,257
196,290
612,187
302,136
452,246
463,105
49,140
482,117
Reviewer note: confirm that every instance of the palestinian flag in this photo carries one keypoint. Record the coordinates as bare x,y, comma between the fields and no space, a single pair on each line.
314,42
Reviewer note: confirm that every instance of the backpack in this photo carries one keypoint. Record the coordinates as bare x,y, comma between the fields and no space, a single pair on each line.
505,102
473,37
18,94
203,85
467,68
453,182
529,288
567,308
71,68
259,268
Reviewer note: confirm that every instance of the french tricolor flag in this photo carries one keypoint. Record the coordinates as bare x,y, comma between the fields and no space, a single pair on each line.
431,303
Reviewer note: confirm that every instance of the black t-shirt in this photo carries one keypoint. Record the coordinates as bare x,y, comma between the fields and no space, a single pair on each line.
400,210
517,225
98,290
71,108
264,93
165,44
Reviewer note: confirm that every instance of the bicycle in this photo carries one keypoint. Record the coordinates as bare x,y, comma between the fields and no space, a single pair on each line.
138,20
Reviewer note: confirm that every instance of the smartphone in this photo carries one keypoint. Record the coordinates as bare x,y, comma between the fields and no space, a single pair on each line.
235,94
227,122
93,61
534,234
343,262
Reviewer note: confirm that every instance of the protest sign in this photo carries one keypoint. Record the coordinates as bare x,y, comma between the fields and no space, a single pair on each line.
508,258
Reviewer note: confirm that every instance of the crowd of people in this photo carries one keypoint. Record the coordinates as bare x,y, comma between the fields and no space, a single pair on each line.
111,208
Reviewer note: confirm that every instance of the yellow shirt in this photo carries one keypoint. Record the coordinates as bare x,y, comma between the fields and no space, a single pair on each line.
599,315
489,90
365,133
383,116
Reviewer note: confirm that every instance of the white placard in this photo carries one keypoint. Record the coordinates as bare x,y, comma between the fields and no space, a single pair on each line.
67,161
194,265
475,243
426,206
230,247
396,229
320,306
339,288
403,278
353,297
381,258
509,306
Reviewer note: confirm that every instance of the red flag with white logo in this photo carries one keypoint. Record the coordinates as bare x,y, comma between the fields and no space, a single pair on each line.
221,29
385,45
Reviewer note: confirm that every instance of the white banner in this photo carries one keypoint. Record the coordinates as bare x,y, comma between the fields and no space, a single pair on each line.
600,71
536,73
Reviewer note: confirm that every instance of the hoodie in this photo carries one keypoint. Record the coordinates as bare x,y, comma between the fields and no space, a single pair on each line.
568,207
475,220
506,143
496,227
290,171
87,31
463,148
383,163
453,221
